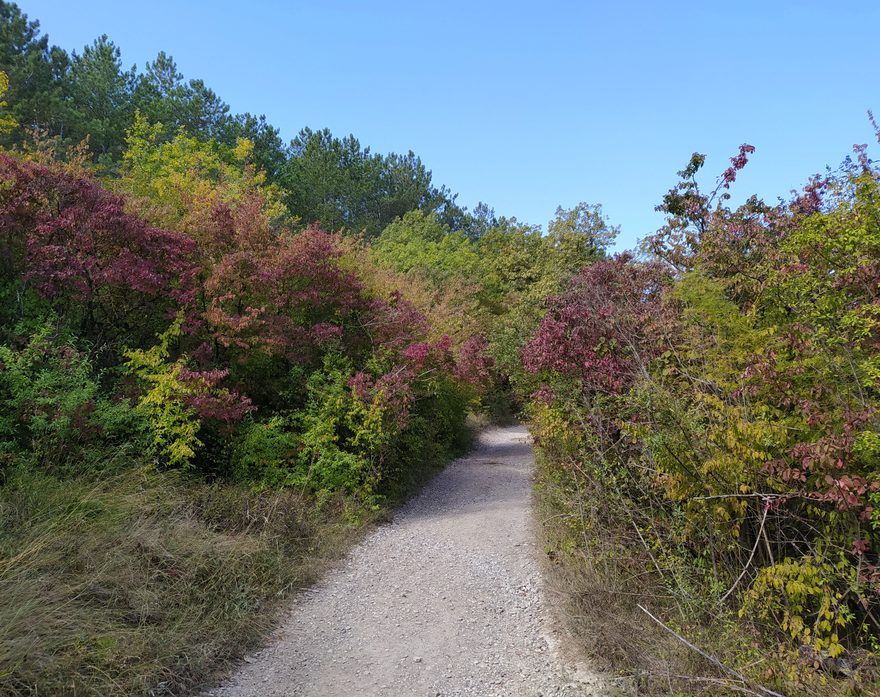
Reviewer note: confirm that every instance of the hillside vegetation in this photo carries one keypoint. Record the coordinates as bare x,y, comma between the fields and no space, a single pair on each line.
223,356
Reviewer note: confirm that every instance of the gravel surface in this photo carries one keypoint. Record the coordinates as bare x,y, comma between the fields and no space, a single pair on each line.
446,600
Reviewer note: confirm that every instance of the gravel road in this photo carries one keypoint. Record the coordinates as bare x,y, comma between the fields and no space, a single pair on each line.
446,600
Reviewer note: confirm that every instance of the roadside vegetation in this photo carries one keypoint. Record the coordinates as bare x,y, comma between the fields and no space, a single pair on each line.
708,424
222,357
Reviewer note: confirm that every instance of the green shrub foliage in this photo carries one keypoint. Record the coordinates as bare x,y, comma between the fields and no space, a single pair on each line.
54,412
729,386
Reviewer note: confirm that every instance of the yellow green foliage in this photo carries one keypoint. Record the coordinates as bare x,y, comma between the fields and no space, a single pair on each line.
174,426
179,184
550,428
804,597
7,122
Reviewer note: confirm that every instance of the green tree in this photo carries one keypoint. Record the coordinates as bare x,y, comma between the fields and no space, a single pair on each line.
580,235
35,73
162,96
405,185
101,92
204,113
343,185
270,153
160,93
327,179
514,252
481,220
419,241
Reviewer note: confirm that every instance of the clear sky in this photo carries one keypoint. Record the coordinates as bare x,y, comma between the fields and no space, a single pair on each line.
530,105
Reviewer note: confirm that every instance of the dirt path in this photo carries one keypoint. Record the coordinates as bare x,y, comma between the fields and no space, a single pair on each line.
447,600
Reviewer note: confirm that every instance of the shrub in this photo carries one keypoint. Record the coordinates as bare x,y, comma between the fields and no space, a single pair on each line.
53,411
177,399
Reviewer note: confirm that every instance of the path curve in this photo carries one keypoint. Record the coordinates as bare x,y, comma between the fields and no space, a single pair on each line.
446,600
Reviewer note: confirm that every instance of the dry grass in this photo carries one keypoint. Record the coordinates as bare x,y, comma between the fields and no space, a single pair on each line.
145,583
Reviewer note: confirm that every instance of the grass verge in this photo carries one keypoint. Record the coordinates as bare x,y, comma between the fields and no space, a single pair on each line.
153,583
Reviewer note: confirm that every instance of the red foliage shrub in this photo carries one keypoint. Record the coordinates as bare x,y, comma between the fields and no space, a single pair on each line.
473,364
73,242
284,299
603,328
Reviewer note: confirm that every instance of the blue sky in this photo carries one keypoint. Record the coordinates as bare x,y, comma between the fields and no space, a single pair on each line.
530,105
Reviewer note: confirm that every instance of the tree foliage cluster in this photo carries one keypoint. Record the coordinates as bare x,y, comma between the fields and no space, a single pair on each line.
221,327
721,397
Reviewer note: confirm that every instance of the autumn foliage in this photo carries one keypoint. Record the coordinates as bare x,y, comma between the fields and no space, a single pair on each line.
722,398
247,317
185,299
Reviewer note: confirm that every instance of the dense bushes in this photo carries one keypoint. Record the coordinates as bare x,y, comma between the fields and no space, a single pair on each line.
278,314
53,412
722,402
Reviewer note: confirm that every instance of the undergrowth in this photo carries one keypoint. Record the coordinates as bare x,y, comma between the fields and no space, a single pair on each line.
600,569
709,423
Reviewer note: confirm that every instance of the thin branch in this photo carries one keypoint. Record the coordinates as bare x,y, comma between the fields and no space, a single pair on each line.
657,566
756,495
714,661
751,556
728,684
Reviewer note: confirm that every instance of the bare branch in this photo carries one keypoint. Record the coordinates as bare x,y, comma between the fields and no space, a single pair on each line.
751,556
714,661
